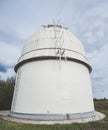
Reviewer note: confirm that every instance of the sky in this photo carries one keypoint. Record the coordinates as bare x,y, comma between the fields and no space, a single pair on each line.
87,19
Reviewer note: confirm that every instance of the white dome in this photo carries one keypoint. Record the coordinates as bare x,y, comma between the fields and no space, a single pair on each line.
54,40
52,37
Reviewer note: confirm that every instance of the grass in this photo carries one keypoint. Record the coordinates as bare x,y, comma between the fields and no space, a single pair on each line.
100,105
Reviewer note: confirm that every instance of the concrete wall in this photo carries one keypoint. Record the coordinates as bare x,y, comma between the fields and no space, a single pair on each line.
53,87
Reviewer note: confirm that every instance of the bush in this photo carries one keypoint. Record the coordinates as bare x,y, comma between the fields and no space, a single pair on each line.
6,93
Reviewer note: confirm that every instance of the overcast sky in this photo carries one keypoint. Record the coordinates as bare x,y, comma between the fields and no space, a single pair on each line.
87,19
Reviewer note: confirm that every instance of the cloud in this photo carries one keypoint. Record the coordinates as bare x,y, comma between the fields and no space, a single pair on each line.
10,36
10,72
3,68
8,56
99,62
98,57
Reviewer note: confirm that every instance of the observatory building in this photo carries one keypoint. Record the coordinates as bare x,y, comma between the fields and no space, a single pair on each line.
52,81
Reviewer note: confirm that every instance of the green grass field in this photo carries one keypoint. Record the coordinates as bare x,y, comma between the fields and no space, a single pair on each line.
100,105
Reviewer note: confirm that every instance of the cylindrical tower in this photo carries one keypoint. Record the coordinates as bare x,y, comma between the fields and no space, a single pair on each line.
52,81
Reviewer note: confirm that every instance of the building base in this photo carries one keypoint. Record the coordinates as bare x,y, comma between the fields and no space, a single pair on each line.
53,117
75,119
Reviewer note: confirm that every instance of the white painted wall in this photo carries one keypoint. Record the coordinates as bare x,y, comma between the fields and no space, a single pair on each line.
54,87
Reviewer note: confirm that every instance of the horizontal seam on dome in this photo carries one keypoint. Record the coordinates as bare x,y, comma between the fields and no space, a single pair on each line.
55,49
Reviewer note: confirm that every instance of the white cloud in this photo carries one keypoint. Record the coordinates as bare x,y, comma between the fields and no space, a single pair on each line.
99,62
9,54
98,58
10,72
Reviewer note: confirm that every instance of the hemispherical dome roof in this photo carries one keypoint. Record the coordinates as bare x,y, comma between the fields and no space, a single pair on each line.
54,36
54,41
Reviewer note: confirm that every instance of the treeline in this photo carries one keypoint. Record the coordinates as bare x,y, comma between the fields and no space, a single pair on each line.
6,93
100,99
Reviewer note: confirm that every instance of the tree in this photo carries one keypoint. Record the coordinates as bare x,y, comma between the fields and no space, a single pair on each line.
6,93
